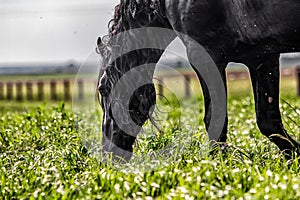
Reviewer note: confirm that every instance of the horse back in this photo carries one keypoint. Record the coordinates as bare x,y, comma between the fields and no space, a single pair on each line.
254,20
228,22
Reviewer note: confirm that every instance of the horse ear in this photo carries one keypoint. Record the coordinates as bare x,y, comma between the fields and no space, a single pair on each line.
99,42
100,46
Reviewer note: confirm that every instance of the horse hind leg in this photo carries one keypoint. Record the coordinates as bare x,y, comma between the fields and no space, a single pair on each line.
265,83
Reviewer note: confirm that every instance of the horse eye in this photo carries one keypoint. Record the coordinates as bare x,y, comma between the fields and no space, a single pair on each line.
102,90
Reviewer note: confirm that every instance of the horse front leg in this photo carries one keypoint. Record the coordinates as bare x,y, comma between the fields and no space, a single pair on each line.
208,105
208,101
265,83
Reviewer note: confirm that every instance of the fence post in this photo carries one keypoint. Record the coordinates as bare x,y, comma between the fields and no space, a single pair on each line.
9,89
298,76
1,91
19,87
53,94
67,95
80,90
29,91
187,83
40,85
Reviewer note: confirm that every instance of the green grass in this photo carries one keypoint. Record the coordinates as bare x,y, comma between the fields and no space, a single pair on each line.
49,152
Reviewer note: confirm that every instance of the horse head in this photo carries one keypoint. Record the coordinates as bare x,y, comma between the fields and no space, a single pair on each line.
127,97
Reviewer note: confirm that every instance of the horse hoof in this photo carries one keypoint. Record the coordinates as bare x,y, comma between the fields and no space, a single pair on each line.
219,148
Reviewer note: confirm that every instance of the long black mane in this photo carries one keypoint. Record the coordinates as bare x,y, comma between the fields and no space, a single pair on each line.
136,13
129,14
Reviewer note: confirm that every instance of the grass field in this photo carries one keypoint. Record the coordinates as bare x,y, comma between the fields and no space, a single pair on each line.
48,152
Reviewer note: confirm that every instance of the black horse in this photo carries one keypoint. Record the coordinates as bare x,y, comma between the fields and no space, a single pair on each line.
253,32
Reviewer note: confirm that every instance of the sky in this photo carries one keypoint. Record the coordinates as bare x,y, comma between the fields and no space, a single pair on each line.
55,30
51,30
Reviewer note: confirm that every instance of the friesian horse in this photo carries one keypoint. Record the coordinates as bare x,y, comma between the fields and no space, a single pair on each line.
253,32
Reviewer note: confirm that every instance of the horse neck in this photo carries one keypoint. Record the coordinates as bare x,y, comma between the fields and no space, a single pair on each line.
133,19
143,60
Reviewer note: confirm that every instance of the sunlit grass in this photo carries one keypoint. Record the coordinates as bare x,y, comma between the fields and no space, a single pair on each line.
44,154
49,151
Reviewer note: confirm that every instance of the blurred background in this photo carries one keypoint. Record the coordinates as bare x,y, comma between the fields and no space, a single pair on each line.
43,44
51,30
